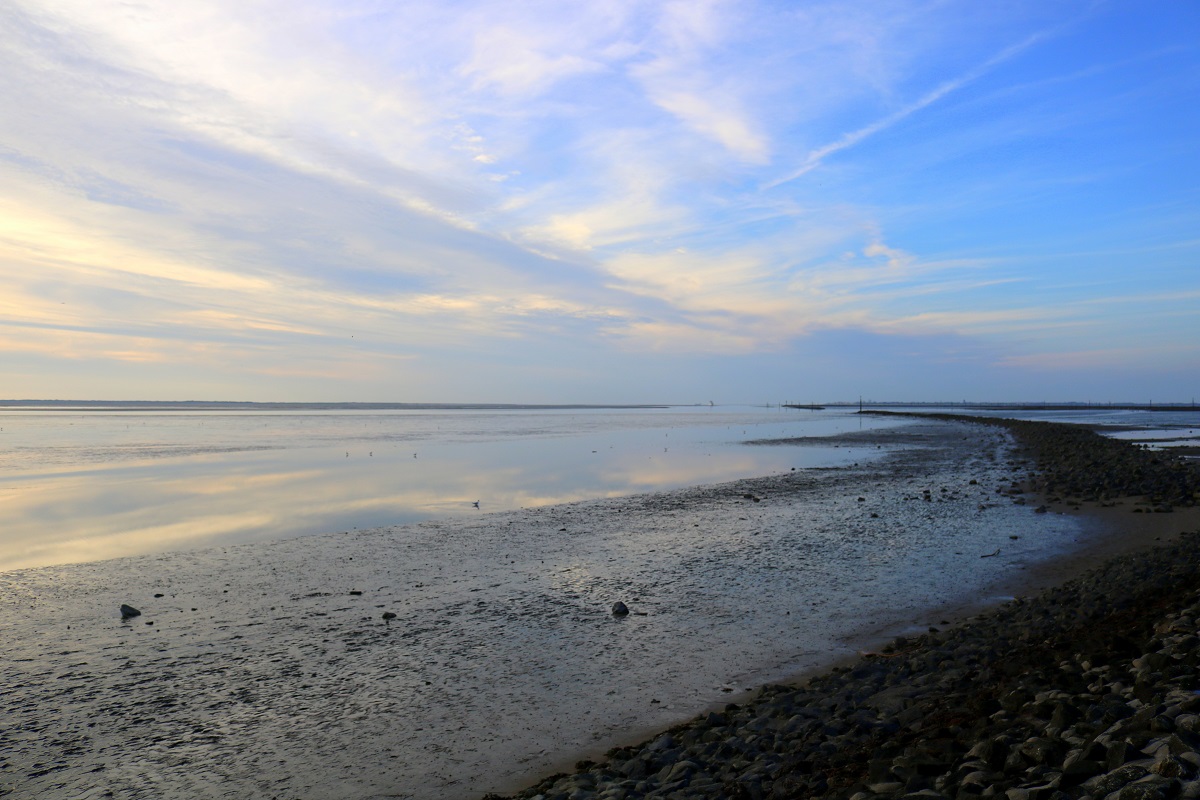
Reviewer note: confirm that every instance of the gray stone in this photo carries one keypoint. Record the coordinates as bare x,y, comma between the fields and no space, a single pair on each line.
1171,767
681,771
888,787
1147,790
1103,785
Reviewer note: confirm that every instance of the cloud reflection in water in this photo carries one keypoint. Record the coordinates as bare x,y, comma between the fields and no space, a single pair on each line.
249,480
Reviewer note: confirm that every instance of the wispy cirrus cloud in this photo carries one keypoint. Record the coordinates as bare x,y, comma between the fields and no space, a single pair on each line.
512,63
817,156
679,78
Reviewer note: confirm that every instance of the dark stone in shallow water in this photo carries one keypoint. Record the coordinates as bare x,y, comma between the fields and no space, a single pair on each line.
619,609
129,611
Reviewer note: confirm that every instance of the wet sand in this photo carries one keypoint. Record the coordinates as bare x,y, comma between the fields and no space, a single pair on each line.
268,670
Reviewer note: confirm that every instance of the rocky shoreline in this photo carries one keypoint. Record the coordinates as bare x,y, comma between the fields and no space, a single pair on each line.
1074,464
1091,689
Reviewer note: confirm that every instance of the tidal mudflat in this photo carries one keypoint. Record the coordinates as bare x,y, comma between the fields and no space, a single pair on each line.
269,670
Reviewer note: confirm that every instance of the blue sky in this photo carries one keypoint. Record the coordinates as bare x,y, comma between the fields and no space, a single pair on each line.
599,202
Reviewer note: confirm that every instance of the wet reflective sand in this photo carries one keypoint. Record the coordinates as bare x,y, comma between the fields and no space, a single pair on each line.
87,486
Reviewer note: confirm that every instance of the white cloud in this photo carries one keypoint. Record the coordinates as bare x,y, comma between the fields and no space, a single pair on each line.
717,118
679,79
675,338
515,63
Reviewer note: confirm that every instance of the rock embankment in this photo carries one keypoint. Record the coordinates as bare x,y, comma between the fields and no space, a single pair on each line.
1092,689
1079,464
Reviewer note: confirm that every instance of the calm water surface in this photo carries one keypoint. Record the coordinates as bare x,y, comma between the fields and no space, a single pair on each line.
82,485
87,484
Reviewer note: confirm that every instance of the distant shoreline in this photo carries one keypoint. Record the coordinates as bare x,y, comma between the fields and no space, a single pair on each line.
235,405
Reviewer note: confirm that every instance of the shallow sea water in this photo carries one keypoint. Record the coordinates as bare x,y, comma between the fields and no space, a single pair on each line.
264,670
84,485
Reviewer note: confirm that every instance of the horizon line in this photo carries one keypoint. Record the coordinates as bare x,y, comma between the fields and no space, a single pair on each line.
442,405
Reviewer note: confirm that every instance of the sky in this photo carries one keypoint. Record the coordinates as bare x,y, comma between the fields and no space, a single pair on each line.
599,202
